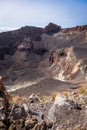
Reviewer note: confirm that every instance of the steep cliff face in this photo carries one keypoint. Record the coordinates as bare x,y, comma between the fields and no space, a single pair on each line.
72,63
68,51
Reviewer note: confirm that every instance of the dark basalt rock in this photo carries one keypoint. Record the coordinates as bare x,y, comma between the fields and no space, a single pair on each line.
51,28
40,51
19,116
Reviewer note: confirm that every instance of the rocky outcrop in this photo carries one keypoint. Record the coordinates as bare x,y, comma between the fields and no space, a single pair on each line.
70,62
22,54
4,106
51,28
25,57
4,94
19,115
77,28
68,110
9,41
67,113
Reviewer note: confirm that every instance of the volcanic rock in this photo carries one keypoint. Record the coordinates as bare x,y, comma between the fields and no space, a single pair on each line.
70,62
51,28
61,55
77,28
65,115
34,98
4,94
9,41
67,111
30,123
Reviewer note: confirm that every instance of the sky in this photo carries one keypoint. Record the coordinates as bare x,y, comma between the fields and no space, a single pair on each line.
18,13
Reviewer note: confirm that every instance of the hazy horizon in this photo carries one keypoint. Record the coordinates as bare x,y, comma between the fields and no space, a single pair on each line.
17,13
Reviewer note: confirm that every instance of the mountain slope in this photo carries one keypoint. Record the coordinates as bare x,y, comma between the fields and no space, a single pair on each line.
45,52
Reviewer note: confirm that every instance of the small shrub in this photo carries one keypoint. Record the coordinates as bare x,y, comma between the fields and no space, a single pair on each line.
83,91
45,99
53,95
66,93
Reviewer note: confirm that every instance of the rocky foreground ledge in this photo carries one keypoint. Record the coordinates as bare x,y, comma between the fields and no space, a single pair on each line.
61,111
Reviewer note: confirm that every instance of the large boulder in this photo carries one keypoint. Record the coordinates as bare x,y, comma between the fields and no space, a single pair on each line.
67,113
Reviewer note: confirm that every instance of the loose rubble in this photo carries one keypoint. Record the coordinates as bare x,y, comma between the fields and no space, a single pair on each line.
67,112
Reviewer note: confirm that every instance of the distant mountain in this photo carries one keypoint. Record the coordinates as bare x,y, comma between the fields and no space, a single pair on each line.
36,65
44,52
